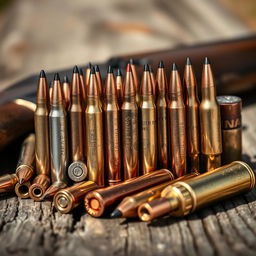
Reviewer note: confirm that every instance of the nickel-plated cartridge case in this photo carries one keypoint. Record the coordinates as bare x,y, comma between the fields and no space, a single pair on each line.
148,125
177,125
184,197
26,163
22,190
130,137
210,121
112,130
231,128
192,117
94,133
8,182
97,201
69,198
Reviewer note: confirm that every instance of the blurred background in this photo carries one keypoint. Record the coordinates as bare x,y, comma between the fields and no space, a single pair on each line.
57,34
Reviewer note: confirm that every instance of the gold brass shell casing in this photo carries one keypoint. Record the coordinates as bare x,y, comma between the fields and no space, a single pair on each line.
22,190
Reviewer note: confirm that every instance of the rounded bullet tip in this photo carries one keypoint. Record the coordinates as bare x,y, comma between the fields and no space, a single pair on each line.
81,72
146,68
42,74
110,69
75,69
65,79
174,66
92,70
131,61
119,73
206,61
161,64
97,68
188,61
56,77
116,214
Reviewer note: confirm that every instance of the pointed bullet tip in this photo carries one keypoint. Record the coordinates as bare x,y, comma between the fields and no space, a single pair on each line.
151,69
92,70
110,70
146,68
174,67
131,61
56,77
128,67
188,61
42,74
206,61
161,64
119,73
116,214
81,72
89,65
75,69
97,68
21,181
65,79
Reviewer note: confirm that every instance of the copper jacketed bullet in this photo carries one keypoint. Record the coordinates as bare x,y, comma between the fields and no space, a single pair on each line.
112,130
69,198
66,92
177,127
26,163
96,202
99,80
87,74
148,124
42,148
231,127
153,82
162,114
130,137
184,197
192,114
83,87
94,133
77,171
8,182
135,80
210,122
58,140
119,87
22,190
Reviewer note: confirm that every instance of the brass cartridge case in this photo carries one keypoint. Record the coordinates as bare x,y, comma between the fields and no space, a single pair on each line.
192,116
130,137
66,92
148,125
16,119
22,190
77,171
210,122
184,197
8,182
177,125
231,128
97,201
39,186
26,163
162,117
69,198
94,133
119,87
112,131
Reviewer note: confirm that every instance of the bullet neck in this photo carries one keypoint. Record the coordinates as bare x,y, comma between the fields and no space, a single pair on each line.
131,99
209,93
92,100
147,98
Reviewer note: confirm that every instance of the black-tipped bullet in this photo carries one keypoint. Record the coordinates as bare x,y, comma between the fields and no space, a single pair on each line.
161,64
119,73
188,61
151,69
75,69
65,79
92,70
42,74
110,69
174,67
56,77
131,61
206,61
116,214
146,68
89,65
81,72
97,68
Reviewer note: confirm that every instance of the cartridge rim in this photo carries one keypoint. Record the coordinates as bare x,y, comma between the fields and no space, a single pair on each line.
94,204
77,171
36,192
22,190
64,201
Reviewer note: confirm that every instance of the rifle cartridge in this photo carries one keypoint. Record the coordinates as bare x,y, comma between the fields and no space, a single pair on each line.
210,122
87,75
231,123
8,182
94,133
69,198
77,171
26,163
40,184
83,88
135,80
22,190
130,137
58,140
184,197
161,112
177,119
148,124
119,87
97,201
66,92
192,116
99,80
153,82
112,130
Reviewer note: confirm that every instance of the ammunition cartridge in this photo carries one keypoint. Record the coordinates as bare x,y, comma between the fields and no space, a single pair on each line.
16,119
177,119
148,124
119,87
39,186
161,112
94,133
77,171
67,199
192,114
112,130
8,182
87,75
66,92
210,124
83,88
97,201
184,197
22,190
26,163
130,137
231,123
153,82
99,80
135,80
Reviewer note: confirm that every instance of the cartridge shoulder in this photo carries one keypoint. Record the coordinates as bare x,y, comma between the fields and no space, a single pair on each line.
93,109
41,111
176,104
161,102
129,106
111,106
147,105
58,112
209,104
